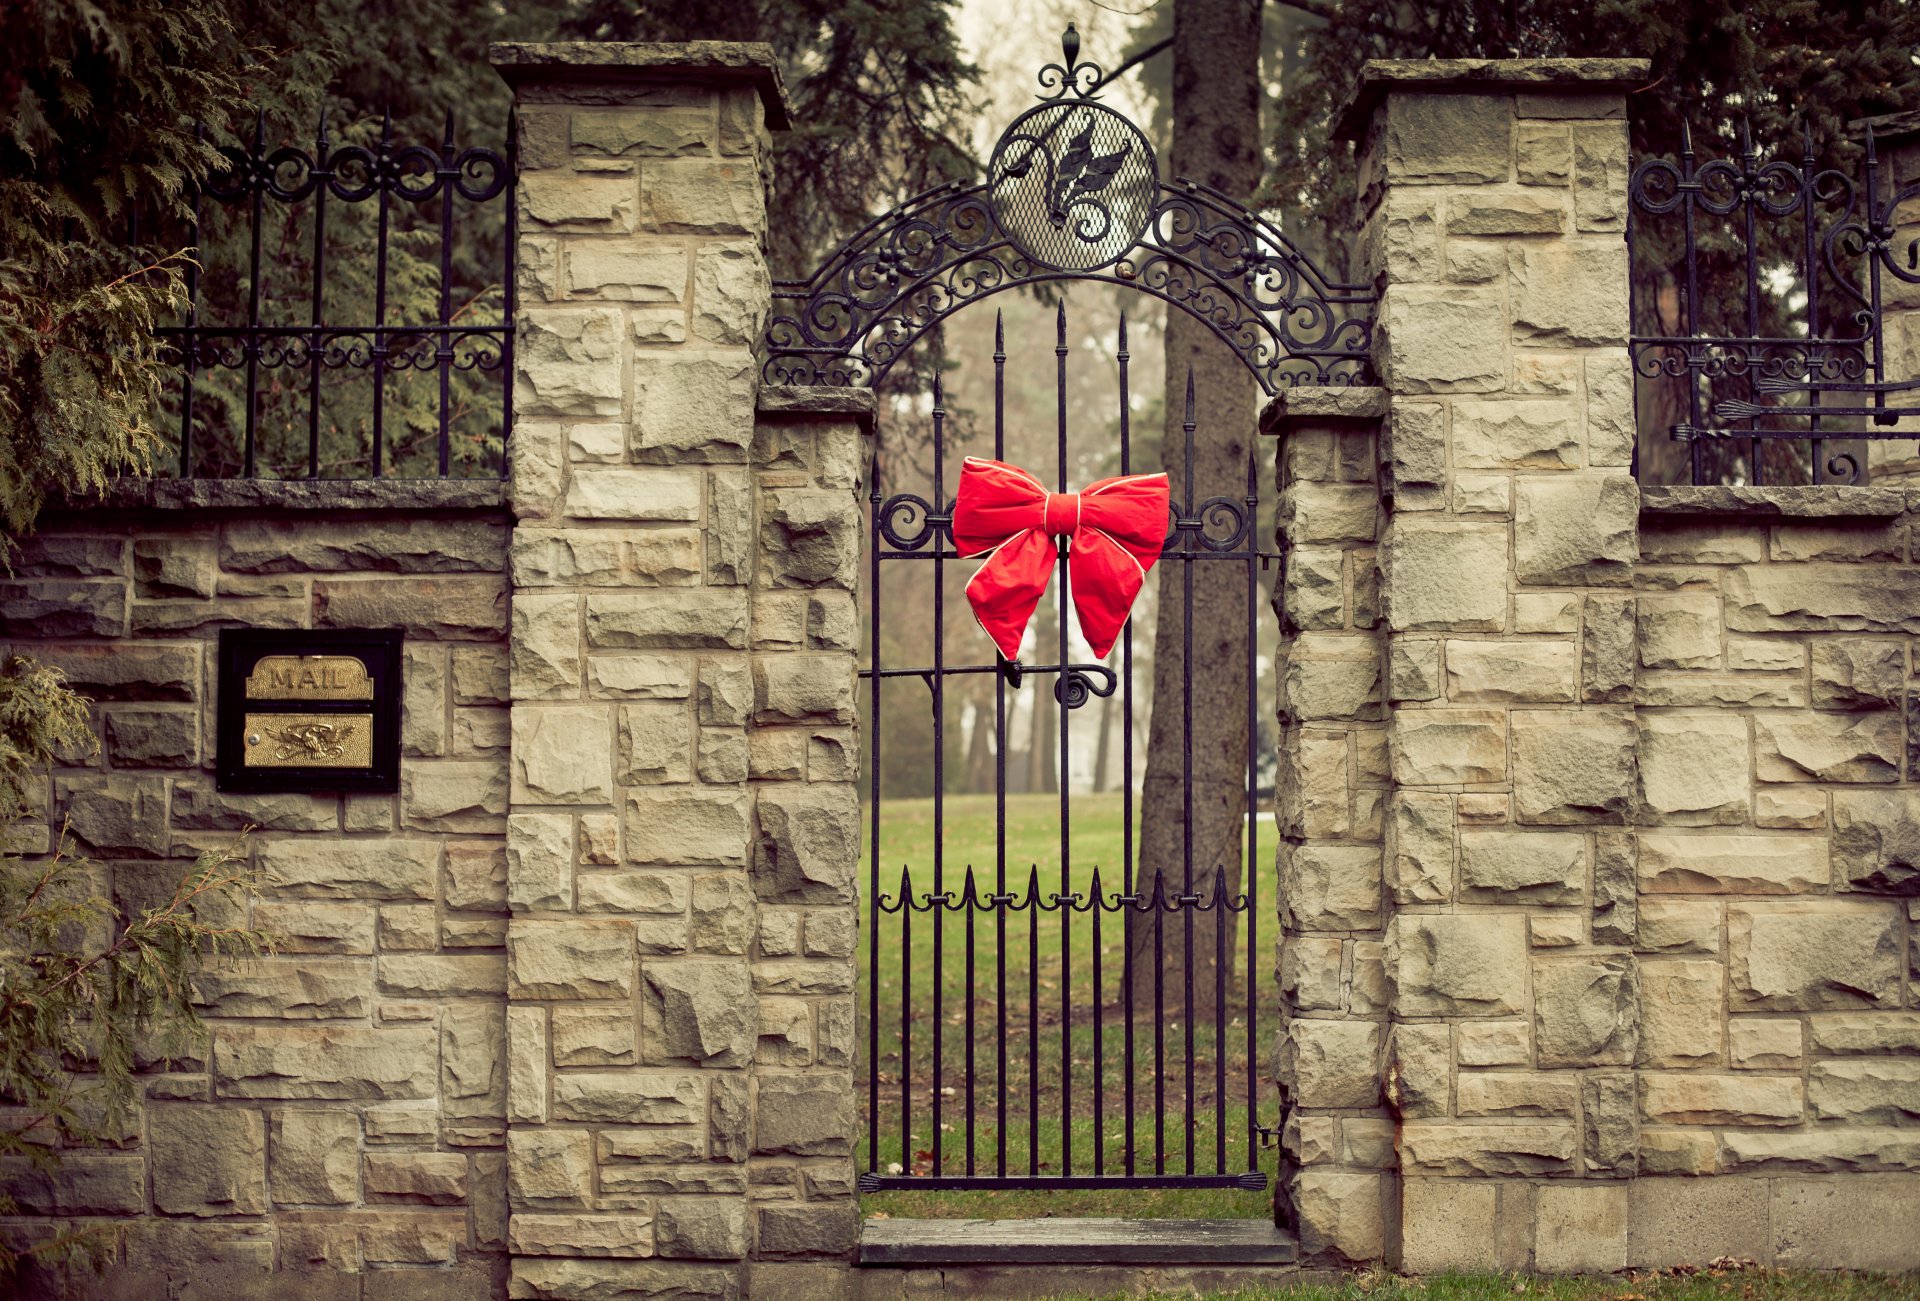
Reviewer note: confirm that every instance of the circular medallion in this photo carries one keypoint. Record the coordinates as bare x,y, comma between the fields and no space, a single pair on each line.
1073,185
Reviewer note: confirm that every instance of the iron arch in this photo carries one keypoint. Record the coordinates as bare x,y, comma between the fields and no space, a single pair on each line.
1072,192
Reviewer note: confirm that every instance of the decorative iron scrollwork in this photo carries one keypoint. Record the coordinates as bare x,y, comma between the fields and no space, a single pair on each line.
1073,192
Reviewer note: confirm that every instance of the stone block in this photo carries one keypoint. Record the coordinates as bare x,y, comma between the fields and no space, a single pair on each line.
457,796
303,990
545,654
454,608
595,1036
1790,809
1443,576
430,1178
563,200
63,609
317,928
1849,1033
127,672
1572,767
1414,456
1697,1098
1442,1147
1534,434
1610,419
540,860
390,868
1586,1011
1607,648
1692,1221
1581,1229
1458,964
345,1062
1420,847
1341,1216
208,1161
1609,1124
655,744
1448,746
1438,138
641,495
1763,1043
560,1279
1829,1149
634,892
1675,926
1331,887
1335,1063
628,1097
1866,1091
152,738
625,1236
1823,598
1827,747
1447,1226
700,619
803,1115
1443,338
1843,1224
570,959
731,293
1313,589
803,689
692,408
1495,1043
118,816
703,196
1813,954
1578,530
806,844
1510,672
809,538
1615,888
1518,1094
1679,1152
1569,293
1692,769
623,271
1677,863
1521,866
1679,630
562,754
290,545
548,1167
1859,675
1680,1012
1601,169
640,677
701,1013
1505,211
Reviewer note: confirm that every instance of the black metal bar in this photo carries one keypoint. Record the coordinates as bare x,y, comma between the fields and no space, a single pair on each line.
1033,1020
872,739
906,1021
972,1072
315,350
1186,748
1126,758
1750,191
447,173
1066,853
1000,781
1251,1182
1099,1052
380,296
1159,1025
1696,455
939,780
189,351
1251,874
253,295
1811,257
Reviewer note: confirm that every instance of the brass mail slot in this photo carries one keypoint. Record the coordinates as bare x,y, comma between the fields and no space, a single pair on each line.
309,677
309,741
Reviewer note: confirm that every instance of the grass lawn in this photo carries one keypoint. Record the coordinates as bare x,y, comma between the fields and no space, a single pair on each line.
1709,1284
1056,1034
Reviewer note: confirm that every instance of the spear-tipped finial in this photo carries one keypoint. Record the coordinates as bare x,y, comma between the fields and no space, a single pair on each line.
1806,133
939,395
1746,135
386,125
1060,323
448,141
320,139
1123,332
259,129
1070,45
1686,137
1189,416
1870,152
999,336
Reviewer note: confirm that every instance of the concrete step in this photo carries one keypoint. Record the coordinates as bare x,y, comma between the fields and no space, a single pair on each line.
920,1243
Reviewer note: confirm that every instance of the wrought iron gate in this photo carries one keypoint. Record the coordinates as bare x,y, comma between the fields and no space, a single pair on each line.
1072,193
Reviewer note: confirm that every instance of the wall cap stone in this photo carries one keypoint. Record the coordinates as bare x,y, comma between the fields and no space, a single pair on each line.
534,63
1321,401
410,495
1805,501
818,399
1480,76
1889,128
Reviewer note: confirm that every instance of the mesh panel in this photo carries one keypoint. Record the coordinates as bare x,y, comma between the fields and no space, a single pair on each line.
1073,185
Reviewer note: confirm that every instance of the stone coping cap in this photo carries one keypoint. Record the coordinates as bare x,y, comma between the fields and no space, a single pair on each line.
296,495
1463,76
534,62
1341,401
819,399
1803,501
1888,126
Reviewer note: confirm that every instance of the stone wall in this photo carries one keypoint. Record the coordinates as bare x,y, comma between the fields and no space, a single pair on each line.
683,826
349,1111
1645,908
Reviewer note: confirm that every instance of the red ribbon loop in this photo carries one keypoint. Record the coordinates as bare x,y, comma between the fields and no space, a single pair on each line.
1114,531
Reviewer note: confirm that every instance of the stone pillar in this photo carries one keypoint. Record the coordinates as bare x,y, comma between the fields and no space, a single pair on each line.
1494,200
1897,144
1337,1148
682,823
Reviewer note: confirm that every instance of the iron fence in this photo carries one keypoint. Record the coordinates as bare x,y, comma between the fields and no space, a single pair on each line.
1145,1067
349,311
1759,283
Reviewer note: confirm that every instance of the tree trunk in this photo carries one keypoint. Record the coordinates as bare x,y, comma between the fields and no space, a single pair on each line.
1104,744
1216,98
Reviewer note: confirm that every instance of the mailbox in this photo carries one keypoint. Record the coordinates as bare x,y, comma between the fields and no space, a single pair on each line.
308,711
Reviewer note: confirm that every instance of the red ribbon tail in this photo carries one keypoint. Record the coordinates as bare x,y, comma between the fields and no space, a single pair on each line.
1005,591
1106,579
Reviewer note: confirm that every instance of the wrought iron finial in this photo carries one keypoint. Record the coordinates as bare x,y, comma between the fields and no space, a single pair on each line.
320,139
1123,333
1057,80
1686,138
447,140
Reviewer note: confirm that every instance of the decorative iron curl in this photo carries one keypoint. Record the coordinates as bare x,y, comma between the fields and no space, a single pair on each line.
1080,682
1071,75
906,510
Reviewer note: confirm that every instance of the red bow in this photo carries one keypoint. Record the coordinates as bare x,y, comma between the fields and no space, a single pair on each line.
1116,528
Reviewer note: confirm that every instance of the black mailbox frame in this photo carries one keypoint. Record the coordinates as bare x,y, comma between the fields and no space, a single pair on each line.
241,648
